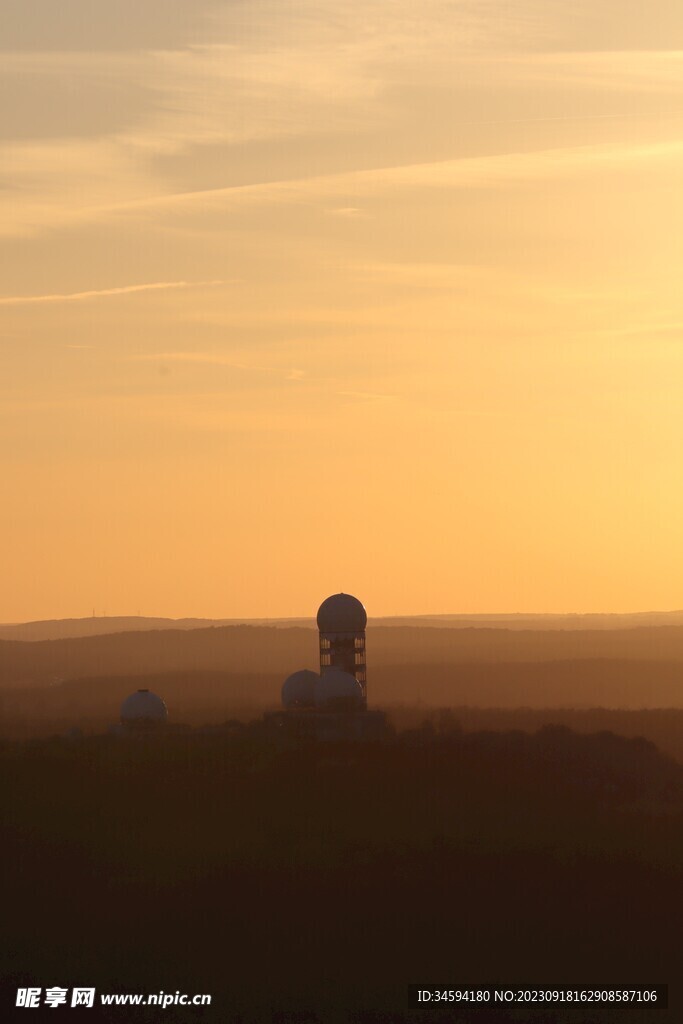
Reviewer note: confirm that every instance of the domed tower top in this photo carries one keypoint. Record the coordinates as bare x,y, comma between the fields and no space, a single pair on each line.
342,613
341,621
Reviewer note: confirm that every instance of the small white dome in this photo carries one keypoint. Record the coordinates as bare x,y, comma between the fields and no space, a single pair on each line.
298,690
340,690
143,709
342,613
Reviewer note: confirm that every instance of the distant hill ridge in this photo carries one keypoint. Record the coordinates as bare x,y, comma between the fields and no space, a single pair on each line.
102,625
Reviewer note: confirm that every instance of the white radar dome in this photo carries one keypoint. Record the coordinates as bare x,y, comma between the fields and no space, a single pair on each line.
342,613
143,709
298,690
338,690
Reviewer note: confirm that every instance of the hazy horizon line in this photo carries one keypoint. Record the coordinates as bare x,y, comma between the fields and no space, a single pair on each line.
311,617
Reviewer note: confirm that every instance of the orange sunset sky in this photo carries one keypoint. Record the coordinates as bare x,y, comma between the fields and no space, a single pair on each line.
382,297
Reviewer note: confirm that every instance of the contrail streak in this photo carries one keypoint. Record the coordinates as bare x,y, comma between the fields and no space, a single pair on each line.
24,300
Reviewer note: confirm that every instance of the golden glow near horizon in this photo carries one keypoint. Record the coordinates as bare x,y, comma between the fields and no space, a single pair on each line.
377,297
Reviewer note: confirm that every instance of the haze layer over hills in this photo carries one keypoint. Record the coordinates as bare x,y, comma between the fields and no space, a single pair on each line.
209,675
272,649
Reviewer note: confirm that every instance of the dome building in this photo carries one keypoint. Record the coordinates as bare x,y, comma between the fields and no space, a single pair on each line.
298,690
338,691
143,711
341,624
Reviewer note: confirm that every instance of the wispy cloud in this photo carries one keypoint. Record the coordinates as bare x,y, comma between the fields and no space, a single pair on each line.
130,289
461,173
490,171
153,120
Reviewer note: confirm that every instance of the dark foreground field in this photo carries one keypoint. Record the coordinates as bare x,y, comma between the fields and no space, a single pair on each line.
314,884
